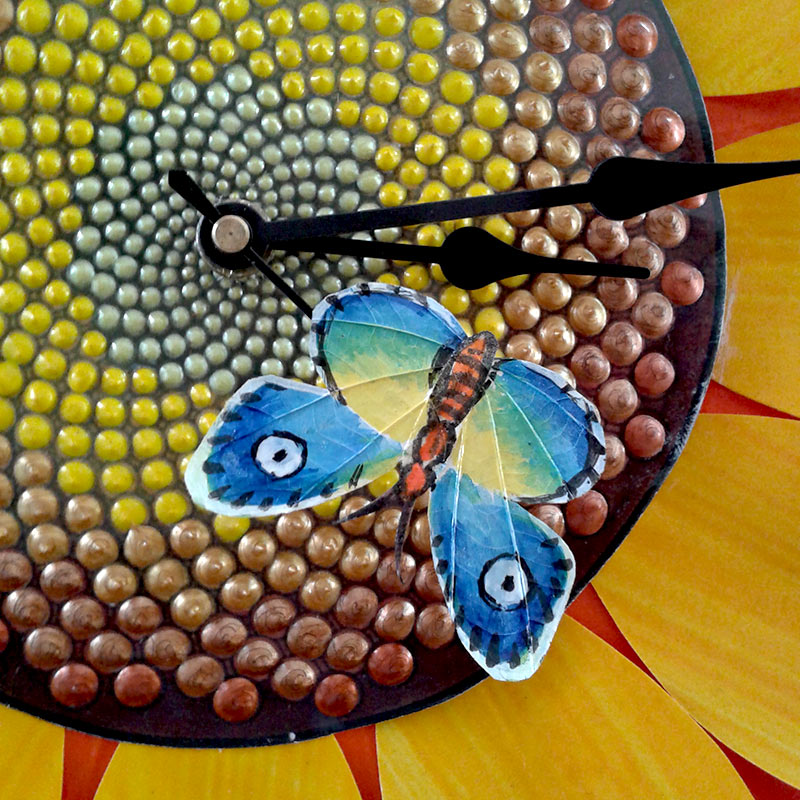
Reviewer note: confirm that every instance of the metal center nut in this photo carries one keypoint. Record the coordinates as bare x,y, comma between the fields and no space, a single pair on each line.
230,234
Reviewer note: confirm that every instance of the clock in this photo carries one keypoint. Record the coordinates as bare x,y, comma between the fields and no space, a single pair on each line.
126,610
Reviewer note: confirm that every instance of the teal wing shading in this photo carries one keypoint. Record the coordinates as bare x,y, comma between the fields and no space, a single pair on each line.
279,445
376,347
506,577
532,437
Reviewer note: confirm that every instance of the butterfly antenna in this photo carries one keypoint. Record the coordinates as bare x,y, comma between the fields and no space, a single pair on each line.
370,508
402,534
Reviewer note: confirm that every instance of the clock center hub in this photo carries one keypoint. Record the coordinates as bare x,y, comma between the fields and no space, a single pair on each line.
231,234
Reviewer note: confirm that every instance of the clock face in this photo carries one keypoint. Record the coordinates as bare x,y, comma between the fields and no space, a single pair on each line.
125,610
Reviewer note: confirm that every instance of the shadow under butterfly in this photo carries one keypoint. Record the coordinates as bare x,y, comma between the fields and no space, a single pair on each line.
406,388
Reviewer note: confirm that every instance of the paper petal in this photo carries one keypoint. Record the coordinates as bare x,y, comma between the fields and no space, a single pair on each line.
705,587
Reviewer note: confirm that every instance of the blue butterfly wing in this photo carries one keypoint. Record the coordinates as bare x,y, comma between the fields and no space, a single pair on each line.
505,575
279,445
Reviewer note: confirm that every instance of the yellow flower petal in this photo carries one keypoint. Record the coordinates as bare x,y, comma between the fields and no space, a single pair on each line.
758,352
705,587
750,49
31,754
290,772
589,724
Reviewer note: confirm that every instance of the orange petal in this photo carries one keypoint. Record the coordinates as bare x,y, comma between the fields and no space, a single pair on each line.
588,724
313,769
740,48
758,352
705,587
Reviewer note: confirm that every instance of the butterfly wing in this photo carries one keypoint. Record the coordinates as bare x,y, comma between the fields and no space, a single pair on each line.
505,575
279,445
532,437
376,345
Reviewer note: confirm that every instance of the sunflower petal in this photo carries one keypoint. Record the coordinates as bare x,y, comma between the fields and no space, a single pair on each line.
754,48
290,772
588,724
758,352
705,587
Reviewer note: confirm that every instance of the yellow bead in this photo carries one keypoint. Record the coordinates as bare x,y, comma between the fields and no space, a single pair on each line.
111,109
173,406
457,87
329,509
416,277
389,21
26,201
500,173
14,95
415,101
350,16
280,22
201,70
5,216
205,421
353,49
117,478
121,80
136,49
384,88
249,35
13,249
81,308
293,85
109,412
113,381
127,512
82,377
49,364
33,16
125,10
261,64
347,112
403,130
230,529
144,412
12,297
222,50
447,119
75,477
486,294
70,219
34,432
156,23
388,55
161,70
75,408
390,278
515,282
48,164
59,254
45,129
433,192
56,193
182,437
79,132
491,320
63,335
321,48
205,24
15,169
180,6
93,344
105,35
489,111
314,16
352,81
233,10
145,380
383,483
36,318
10,379
457,171
422,67
392,194
81,161
500,228
149,95
57,293
455,300
71,21
430,235
6,415
19,55
475,144
89,67
55,59
147,443
201,395
110,446
170,507
412,173
430,149
322,80
181,46
73,441
426,32
387,157
374,119
18,347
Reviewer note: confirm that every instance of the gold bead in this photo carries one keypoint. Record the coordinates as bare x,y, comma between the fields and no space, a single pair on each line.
359,560
325,545
555,336
115,583
213,567
143,546
287,572
256,550
96,548
191,608
587,315
320,591
241,592
165,578
294,528
189,538
551,291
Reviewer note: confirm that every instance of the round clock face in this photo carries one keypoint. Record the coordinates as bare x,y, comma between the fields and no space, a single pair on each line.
125,610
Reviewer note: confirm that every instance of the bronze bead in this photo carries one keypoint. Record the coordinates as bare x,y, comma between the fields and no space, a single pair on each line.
637,35
308,637
600,148
551,515
395,619
622,343
189,538
9,530
540,242
166,648
320,591
294,528
198,676
551,291
590,366
521,310
139,616
697,201
512,10
241,592
564,373
15,570
32,468
641,252
82,513
37,505
273,616
587,73
563,222
47,542
577,112
426,6
464,51
555,336
356,607
347,650
553,5
434,627
191,608
617,400
506,40
5,452
137,686
550,34
388,579
236,700
533,110
26,609
82,617
256,549
74,685
325,545
108,652
667,226
543,72
598,5
61,580
644,436
518,143
96,548
293,679
420,534
390,664
523,346
523,219
47,648
593,32
165,579
256,659
619,118
336,696
500,77
426,583
633,222
360,525
630,79
587,514
287,572
222,636
6,491
653,315
143,546
617,294
682,283
587,315
561,148
616,458
213,567
466,15
606,238
654,374
385,528
359,560
115,583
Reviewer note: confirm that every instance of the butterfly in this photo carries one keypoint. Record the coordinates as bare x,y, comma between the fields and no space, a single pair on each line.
405,387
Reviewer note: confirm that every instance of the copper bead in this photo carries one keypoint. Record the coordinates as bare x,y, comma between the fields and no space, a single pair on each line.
198,676
551,515
637,35
587,73
587,514
96,548
550,34
654,374
619,118
434,627
653,315
144,545
682,283
426,583
590,366
389,580
395,619
644,436
593,32
236,700
606,238
390,664
622,343
336,695
630,79
74,685
356,607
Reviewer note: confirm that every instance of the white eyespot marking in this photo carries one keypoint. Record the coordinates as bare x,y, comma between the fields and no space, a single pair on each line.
505,582
280,454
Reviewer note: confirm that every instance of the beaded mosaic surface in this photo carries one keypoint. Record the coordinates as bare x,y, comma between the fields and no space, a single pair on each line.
119,345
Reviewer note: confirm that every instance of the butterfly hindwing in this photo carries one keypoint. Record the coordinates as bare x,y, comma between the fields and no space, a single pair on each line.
279,445
505,575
